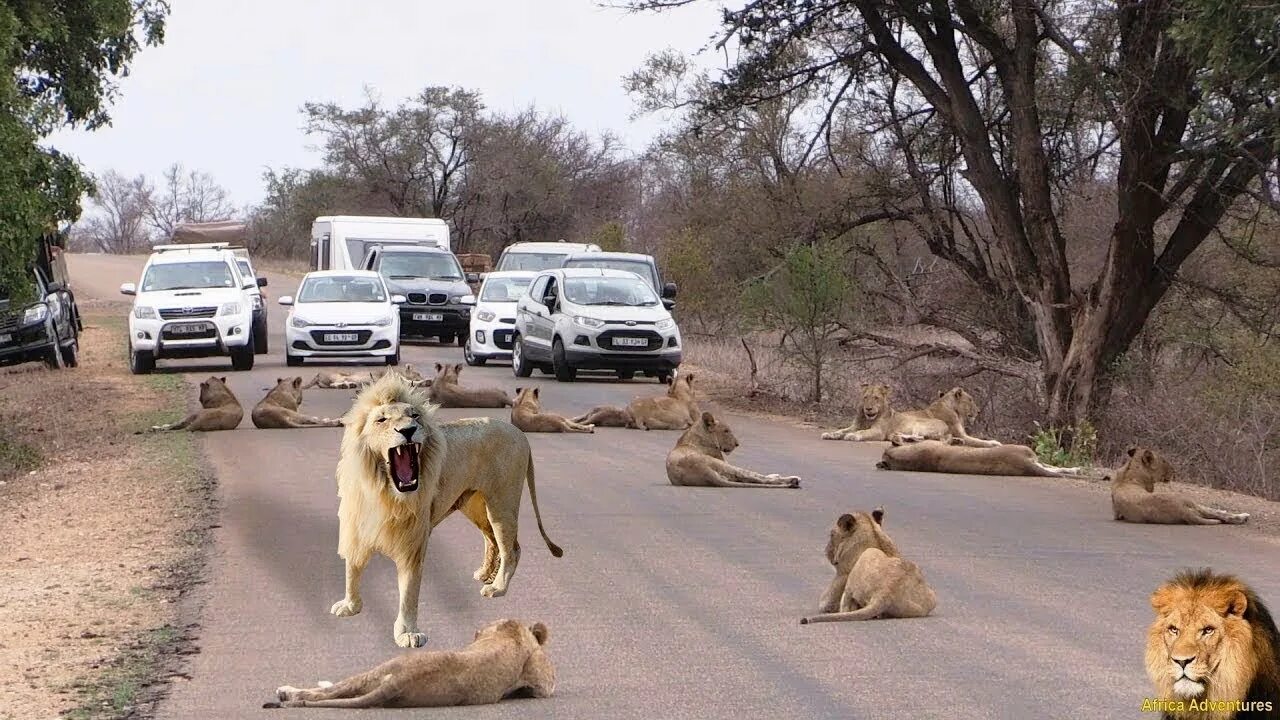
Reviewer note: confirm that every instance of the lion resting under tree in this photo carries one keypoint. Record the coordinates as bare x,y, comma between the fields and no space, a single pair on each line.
943,420
697,460
279,409
1213,643
676,410
506,659
872,579
1134,498
400,473
951,457
219,410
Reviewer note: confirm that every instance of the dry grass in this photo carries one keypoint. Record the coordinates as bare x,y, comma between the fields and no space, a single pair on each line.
284,266
99,541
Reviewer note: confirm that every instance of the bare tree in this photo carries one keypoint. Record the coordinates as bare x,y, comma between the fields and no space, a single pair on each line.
117,222
187,196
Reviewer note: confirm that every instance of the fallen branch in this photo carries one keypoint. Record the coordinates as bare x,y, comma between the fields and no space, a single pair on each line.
755,382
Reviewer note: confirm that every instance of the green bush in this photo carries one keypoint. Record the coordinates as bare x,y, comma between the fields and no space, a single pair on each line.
1066,447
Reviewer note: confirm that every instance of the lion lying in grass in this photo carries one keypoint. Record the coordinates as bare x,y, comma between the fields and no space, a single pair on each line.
698,460
1213,640
219,410
872,579
527,415
279,409
676,410
951,457
400,473
1134,498
943,420
507,658
446,392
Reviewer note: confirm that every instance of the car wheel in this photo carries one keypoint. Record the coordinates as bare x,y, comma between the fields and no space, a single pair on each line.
664,376
626,374
461,339
71,354
560,364
53,358
141,362
292,360
260,344
394,359
471,358
519,366
242,357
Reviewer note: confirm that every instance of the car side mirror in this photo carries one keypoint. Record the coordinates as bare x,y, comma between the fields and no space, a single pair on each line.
55,286
669,290
668,303
549,300
399,299
128,289
262,282
285,300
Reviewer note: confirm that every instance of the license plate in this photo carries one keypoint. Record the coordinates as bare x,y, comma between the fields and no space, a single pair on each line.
5,338
631,342
341,337
186,328
428,317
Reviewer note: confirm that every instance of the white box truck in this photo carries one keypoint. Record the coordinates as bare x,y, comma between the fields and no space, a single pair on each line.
339,242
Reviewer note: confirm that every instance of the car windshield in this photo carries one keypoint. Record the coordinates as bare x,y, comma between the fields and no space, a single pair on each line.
405,266
532,262
504,289
639,267
188,276
341,288
632,292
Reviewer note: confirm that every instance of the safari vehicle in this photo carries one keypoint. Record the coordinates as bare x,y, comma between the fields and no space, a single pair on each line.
438,298
341,242
48,328
594,319
643,265
342,314
192,301
231,234
539,256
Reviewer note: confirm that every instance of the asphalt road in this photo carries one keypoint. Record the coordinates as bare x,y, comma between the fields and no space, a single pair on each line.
684,602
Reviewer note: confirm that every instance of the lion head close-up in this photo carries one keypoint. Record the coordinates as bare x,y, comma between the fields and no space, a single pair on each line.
716,434
390,436
875,401
215,393
960,402
1212,640
853,533
1147,468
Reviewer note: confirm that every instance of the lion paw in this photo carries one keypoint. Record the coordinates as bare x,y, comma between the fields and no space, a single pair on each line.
285,693
792,482
345,608
832,436
491,591
411,639
485,575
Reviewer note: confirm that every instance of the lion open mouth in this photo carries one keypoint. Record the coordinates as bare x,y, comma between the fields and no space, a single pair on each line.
402,466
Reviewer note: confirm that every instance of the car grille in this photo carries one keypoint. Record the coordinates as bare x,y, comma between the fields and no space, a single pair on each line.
191,312
437,298
207,333
502,338
362,337
509,321
652,339
8,322
417,298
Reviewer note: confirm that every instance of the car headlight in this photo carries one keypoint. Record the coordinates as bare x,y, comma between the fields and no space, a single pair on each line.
382,322
664,324
467,299
485,315
588,321
257,302
144,313
35,314
231,308
298,322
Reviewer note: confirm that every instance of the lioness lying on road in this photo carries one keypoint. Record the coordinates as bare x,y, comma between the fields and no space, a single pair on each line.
698,460
872,579
219,410
338,380
1134,499
943,420
446,392
527,415
507,658
279,409
951,457
676,410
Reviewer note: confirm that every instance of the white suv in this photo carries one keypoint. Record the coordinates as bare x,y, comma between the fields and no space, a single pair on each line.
594,319
192,301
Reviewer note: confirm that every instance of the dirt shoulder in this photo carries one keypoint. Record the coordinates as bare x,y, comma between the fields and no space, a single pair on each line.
101,532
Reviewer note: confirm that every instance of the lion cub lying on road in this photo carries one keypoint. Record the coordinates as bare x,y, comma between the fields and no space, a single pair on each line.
279,409
1134,499
676,410
951,457
506,658
872,579
446,392
698,460
944,419
527,415
219,410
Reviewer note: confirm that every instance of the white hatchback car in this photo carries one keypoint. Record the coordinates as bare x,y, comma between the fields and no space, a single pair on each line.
493,321
342,314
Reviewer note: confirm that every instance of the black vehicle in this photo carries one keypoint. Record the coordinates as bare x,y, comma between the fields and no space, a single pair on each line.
439,298
48,329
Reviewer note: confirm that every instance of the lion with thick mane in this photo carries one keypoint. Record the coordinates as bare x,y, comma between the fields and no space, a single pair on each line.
1212,650
400,473
944,419
1134,498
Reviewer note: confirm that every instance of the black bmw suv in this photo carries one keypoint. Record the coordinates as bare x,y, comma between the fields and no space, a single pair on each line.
440,300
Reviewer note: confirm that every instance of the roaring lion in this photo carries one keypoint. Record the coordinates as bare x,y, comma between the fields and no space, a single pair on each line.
1134,498
697,460
1212,650
527,415
944,419
400,473
279,409
506,659
446,392
872,579
676,410
219,410
952,457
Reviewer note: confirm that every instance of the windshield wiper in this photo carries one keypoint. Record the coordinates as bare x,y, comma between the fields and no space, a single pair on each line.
446,277
408,277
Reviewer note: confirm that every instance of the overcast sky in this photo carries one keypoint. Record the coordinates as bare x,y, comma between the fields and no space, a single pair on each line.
223,92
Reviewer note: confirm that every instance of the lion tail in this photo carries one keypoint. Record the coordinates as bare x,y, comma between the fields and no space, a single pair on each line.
313,382
537,514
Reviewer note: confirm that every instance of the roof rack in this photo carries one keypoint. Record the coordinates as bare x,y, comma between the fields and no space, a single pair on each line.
193,246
